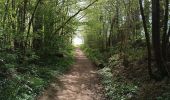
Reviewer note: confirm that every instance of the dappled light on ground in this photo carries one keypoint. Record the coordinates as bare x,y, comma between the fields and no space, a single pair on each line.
80,83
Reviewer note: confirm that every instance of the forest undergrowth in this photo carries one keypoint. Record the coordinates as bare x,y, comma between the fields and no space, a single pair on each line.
128,80
26,80
128,39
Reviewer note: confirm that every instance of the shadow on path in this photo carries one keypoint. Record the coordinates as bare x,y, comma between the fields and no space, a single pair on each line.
80,83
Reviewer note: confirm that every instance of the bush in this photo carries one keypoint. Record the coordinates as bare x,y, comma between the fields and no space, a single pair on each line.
24,81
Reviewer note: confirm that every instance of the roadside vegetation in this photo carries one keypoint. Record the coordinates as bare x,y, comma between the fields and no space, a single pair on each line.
129,41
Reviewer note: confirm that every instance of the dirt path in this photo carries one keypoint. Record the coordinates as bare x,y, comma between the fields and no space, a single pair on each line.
81,83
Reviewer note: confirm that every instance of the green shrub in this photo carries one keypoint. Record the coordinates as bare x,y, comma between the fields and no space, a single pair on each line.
25,81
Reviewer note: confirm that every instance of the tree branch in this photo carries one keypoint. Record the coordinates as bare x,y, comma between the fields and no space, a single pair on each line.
69,19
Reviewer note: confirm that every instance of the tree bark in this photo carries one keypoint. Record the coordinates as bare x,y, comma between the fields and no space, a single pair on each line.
147,36
165,35
156,38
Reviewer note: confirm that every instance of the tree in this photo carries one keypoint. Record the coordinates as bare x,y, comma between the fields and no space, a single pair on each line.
147,37
156,38
165,33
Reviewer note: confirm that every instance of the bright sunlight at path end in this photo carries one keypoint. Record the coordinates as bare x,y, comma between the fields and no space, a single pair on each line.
77,41
80,83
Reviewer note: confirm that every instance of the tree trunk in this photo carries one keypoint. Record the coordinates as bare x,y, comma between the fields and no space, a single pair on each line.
31,20
147,38
19,43
165,35
156,38
37,29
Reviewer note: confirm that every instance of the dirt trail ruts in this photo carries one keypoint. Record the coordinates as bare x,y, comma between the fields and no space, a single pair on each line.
80,83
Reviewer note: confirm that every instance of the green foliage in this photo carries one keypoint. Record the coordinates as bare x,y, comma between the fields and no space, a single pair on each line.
31,57
14,89
115,88
25,83
93,53
164,96
9,57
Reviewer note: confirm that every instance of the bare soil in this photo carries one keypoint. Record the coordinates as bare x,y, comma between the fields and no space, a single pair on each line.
80,83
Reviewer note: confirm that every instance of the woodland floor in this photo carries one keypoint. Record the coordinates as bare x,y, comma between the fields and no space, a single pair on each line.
80,83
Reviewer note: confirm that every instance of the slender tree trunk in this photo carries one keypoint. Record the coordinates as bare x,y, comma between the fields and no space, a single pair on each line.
147,38
6,12
4,25
31,20
111,32
37,29
164,40
21,21
13,18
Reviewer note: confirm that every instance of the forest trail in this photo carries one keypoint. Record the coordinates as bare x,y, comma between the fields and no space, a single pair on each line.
80,83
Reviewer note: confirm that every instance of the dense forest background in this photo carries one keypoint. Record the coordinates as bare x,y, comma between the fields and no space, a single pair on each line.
127,39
